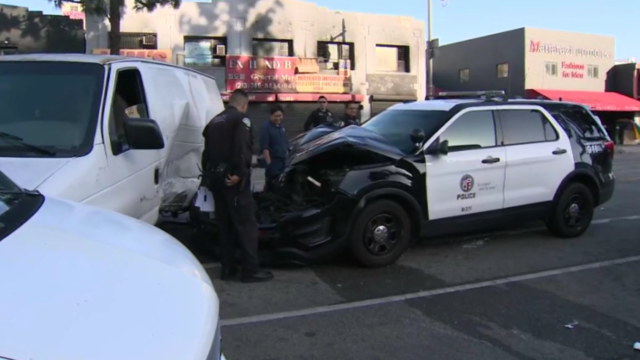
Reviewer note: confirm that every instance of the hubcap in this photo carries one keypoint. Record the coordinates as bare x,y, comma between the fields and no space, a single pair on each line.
382,234
575,213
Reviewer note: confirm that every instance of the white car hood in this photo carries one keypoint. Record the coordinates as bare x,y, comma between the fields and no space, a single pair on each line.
29,173
79,283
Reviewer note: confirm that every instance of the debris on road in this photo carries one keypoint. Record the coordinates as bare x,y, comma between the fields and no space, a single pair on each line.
571,325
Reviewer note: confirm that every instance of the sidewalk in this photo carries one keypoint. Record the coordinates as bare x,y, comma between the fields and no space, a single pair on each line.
631,149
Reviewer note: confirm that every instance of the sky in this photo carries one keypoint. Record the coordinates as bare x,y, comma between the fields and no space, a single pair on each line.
466,19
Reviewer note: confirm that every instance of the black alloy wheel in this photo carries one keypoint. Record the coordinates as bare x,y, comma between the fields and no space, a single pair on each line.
381,233
572,212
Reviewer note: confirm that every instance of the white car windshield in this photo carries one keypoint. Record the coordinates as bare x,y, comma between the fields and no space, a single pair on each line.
49,108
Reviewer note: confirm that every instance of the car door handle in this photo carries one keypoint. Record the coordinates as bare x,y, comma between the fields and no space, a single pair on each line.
559,151
156,176
490,160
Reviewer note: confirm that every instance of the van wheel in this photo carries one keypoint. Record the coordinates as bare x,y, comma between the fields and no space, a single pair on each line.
381,234
572,213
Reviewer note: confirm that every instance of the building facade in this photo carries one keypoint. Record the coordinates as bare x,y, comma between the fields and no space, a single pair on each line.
23,31
526,58
287,51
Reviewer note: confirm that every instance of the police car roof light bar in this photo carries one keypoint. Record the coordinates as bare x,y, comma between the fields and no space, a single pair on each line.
485,95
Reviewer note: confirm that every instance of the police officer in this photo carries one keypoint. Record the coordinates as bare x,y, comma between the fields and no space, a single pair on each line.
319,116
351,113
227,161
274,145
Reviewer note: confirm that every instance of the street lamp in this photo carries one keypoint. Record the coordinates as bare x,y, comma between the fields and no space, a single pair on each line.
431,45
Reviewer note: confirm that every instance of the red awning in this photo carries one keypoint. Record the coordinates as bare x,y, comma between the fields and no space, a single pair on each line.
596,100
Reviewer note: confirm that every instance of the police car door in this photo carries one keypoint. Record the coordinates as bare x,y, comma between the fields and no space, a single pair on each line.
470,177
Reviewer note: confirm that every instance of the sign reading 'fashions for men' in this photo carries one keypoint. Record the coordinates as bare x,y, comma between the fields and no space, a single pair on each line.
285,75
158,55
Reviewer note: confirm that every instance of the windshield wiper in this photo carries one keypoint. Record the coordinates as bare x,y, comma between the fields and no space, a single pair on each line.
18,140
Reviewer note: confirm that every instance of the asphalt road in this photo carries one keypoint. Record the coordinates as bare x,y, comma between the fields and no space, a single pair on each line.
490,296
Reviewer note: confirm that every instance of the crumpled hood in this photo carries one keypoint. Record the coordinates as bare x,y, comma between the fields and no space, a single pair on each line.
351,135
29,173
79,282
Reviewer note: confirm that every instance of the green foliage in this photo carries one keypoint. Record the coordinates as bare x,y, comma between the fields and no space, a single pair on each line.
101,7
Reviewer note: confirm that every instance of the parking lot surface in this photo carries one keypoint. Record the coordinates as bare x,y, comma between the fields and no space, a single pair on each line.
521,294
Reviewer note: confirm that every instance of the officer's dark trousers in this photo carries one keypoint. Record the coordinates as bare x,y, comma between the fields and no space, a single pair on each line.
273,171
235,214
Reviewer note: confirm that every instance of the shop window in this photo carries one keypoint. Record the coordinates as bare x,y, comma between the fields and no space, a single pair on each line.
502,70
138,41
392,58
551,68
463,75
593,71
205,51
272,47
332,54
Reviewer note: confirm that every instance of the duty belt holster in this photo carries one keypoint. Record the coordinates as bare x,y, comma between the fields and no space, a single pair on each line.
215,175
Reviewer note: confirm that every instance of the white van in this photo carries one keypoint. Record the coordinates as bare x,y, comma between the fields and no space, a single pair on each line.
119,133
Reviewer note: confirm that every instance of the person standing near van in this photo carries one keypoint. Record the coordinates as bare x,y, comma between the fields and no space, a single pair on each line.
227,156
274,145
319,116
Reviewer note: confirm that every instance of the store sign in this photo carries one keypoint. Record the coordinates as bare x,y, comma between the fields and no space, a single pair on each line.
73,11
545,48
284,75
572,70
157,55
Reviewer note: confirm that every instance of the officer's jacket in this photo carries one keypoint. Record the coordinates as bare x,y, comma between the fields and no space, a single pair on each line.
317,118
228,141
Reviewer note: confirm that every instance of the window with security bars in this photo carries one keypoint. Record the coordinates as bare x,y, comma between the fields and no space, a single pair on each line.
205,51
551,68
392,58
593,71
332,54
272,47
138,41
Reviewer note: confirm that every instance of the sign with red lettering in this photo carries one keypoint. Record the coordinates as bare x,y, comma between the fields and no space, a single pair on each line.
283,75
572,70
540,47
157,55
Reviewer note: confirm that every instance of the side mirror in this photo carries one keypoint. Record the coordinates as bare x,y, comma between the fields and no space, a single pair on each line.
143,134
438,148
417,136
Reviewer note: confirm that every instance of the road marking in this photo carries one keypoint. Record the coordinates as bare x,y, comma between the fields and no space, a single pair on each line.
423,294
214,265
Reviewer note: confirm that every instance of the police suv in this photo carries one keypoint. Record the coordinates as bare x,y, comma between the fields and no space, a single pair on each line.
438,167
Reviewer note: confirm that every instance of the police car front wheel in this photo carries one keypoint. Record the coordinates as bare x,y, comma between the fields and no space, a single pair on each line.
572,212
381,234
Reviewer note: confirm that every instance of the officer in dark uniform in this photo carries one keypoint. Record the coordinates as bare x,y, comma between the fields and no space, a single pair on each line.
351,113
274,146
319,116
227,162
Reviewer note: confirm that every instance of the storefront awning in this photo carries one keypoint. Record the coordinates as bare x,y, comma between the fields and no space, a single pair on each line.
596,100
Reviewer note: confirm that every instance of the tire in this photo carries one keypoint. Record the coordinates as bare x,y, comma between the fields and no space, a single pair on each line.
385,213
566,221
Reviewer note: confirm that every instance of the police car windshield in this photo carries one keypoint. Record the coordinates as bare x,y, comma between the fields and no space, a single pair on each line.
49,109
396,126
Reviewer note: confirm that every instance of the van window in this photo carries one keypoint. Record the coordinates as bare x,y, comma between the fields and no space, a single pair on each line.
49,109
129,101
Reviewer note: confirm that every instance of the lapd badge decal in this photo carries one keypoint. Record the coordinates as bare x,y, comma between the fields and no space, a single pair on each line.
247,122
466,185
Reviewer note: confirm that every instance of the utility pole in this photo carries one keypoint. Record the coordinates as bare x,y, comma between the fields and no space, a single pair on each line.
429,54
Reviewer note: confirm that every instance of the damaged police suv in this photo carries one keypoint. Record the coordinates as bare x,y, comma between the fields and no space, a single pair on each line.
433,168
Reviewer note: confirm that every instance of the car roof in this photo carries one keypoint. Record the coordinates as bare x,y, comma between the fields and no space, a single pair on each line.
449,104
84,58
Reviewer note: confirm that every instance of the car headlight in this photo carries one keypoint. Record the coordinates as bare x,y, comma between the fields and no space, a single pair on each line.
216,348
